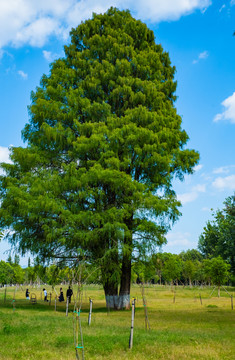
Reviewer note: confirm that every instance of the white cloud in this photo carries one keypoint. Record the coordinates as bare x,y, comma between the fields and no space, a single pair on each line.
47,55
197,167
4,154
224,183
191,195
223,169
187,197
4,157
158,10
206,208
222,7
199,188
33,22
201,56
50,56
23,74
229,112
178,239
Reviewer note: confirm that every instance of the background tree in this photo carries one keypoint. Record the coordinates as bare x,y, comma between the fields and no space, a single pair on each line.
188,271
9,260
192,254
6,273
103,138
218,237
172,269
18,274
219,272
17,259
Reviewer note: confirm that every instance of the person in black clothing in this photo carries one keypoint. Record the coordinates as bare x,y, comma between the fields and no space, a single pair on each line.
61,296
69,294
27,294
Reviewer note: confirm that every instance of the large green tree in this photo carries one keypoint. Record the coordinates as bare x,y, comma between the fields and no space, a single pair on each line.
218,237
104,143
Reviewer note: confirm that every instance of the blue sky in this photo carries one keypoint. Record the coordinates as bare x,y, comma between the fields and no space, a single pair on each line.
198,34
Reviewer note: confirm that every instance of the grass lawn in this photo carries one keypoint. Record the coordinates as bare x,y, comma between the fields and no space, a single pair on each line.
184,329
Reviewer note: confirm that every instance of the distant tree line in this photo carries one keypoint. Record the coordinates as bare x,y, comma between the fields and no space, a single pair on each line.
188,268
12,273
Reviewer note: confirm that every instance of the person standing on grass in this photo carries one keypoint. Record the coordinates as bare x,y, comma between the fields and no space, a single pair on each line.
61,296
45,295
69,294
27,294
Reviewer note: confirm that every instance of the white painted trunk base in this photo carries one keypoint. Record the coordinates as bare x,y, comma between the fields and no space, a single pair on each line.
117,301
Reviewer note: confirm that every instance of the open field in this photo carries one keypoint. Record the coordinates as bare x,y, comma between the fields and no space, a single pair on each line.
184,329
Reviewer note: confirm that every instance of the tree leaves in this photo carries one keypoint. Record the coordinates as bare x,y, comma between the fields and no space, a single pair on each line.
103,140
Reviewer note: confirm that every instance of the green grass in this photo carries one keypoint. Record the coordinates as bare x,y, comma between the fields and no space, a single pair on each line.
181,330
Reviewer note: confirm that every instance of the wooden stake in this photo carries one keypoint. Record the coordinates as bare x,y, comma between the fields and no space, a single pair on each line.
90,312
5,295
147,325
67,306
132,324
13,305
82,345
77,325
200,298
232,302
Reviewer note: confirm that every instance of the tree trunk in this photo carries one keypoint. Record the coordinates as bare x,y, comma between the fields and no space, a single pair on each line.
111,291
124,294
111,297
110,272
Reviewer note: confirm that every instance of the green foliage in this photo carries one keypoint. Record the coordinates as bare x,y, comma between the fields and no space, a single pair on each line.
17,259
104,143
19,274
189,270
6,273
192,254
144,271
218,237
172,268
219,270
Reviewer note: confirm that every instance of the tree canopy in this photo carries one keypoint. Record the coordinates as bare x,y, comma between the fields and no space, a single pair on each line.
104,142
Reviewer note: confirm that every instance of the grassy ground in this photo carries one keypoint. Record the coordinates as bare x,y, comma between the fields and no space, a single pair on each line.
184,329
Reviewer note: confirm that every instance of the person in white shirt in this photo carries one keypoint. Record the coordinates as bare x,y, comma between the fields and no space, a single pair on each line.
45,295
